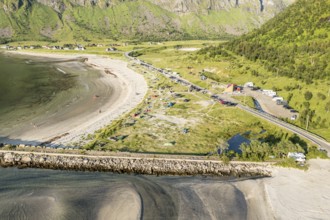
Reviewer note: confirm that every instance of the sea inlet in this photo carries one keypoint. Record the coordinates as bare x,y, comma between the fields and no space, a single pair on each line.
37,94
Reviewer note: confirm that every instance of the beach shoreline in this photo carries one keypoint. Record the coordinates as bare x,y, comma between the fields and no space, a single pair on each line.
281,196
128,89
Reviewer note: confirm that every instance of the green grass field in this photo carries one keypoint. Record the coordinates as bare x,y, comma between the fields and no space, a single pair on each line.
157,128
239,71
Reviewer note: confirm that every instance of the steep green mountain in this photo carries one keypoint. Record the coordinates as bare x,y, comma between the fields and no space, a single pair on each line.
296,43
133,19
290,54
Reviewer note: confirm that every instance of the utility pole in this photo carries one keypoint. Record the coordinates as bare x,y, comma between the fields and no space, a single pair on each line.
307,121
244,98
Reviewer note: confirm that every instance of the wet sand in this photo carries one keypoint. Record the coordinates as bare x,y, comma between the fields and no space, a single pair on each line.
49,194
78,195
108,97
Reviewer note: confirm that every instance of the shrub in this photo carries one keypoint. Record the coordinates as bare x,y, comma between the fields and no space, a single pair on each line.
308,95
321,96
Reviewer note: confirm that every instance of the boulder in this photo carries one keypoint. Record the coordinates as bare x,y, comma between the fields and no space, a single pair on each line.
8,158
26,159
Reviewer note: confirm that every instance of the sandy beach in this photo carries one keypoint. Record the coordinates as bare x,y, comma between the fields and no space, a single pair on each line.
123,88
290,193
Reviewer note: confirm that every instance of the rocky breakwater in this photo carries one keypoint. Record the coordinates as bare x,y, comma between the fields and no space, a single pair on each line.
150,166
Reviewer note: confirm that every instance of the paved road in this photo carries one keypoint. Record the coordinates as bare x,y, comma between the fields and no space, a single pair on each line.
302,133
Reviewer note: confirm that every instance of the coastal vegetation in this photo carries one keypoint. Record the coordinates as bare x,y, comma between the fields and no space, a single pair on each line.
154,127
292,61
174,120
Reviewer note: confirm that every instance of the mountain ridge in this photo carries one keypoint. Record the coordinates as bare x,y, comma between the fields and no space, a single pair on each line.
133,19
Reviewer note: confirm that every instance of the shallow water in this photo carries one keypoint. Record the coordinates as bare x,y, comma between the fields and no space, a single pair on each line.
50,194
36,92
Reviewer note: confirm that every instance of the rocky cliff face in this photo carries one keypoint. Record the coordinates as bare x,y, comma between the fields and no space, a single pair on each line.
133,19
179,6
187,6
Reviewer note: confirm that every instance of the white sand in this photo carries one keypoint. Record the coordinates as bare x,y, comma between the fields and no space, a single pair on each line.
290,194
128,90
296,194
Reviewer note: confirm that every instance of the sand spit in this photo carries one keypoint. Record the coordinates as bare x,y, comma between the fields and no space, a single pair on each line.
127,90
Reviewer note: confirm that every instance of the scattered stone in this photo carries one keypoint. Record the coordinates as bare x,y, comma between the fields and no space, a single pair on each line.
151,166
8,158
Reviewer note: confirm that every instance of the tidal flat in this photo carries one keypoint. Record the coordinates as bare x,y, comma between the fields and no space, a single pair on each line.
38,93
50,194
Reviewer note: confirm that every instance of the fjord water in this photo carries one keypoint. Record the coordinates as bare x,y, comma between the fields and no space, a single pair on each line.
36,92
51,194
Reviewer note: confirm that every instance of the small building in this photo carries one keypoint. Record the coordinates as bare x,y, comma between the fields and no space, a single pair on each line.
175,73
233,88
111,49
249,84
269,93
293,117
203,77
298,157
79,47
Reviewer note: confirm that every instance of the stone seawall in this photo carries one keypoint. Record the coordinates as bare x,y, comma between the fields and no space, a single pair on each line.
150,166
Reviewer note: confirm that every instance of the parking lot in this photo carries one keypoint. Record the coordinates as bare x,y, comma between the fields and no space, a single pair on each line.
268,105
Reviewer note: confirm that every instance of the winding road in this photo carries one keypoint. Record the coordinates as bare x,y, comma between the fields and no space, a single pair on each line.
322,143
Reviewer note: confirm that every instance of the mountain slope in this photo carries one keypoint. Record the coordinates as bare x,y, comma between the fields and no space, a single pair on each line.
290,54
296,43
133,19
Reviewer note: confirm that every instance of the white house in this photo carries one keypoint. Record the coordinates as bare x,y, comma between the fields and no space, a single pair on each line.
270,93
249,84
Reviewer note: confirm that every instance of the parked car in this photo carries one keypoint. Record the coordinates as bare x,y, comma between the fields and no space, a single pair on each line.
231,104
222,101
